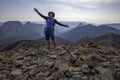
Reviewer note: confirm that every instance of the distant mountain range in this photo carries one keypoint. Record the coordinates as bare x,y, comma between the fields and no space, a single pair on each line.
109,40
102,30
1,23
90,31
115,25
78,33
13,31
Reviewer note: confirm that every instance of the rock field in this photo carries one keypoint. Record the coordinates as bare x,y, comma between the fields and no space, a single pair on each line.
65,62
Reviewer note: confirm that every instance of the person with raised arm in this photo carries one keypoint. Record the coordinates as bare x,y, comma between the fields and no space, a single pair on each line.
49,28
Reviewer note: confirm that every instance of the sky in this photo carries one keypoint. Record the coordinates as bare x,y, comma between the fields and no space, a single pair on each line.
92,11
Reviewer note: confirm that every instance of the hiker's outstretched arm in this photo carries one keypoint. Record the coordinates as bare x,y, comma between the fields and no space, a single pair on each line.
61,24
45,17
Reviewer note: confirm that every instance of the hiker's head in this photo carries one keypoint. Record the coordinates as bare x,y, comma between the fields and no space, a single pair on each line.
51,14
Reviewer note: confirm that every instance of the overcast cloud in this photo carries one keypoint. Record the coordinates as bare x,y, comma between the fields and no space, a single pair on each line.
94,11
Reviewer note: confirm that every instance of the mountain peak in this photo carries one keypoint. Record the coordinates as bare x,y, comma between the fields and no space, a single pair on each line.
27,23
12,23
82,24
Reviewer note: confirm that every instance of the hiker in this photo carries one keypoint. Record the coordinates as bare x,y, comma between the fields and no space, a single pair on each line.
49,29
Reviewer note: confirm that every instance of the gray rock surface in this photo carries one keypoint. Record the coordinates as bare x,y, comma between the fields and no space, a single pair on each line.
65,62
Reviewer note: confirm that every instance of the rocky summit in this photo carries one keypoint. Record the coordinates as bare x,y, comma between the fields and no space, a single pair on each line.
65,62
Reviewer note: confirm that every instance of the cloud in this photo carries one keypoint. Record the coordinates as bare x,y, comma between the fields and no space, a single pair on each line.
89,3
76,3
85,10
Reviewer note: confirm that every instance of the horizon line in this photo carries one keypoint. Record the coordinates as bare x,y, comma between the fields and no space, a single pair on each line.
62,21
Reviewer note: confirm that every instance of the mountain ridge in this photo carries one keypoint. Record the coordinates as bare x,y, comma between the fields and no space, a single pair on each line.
31,44
12,31
90,31
17,31
107,40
